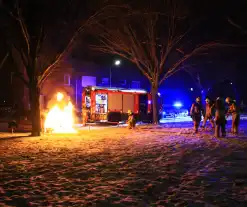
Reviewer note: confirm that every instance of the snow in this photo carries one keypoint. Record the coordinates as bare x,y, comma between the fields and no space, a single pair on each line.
188,119
175,120
164,165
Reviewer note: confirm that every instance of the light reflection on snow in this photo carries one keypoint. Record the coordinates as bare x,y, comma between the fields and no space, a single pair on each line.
148,166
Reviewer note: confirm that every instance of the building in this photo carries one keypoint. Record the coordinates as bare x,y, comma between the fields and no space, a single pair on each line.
72,76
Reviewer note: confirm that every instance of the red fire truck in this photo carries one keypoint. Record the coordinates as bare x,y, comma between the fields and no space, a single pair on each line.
112,104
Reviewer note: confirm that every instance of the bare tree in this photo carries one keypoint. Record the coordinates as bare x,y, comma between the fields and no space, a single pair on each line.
37,44
233,23
3,60
151,38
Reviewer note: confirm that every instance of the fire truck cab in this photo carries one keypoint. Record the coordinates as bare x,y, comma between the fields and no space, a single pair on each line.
112,104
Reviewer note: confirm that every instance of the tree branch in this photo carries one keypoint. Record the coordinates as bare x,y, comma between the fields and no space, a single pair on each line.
40,39
236,25
91,21
3,60
170,45
23,26
196,51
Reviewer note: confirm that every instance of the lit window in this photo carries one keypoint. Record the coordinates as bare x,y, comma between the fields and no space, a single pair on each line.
66,79
135,84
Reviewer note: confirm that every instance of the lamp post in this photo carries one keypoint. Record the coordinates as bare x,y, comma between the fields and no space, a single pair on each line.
116,63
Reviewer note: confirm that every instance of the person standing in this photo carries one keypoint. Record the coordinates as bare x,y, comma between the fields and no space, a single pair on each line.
220,119
84,115
131,120
208,113
235,112
196,111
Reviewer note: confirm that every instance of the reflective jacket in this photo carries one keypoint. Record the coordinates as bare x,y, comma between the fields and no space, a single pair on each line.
233,108
131,118
209,109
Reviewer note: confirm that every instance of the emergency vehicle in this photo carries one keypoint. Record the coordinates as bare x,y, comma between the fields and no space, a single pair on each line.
112,104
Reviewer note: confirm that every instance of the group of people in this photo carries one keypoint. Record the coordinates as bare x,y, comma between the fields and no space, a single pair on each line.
216,114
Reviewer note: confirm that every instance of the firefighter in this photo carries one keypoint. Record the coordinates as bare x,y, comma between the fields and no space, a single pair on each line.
220,119
131,120
84,115
208,113
13,125
196,113
235,112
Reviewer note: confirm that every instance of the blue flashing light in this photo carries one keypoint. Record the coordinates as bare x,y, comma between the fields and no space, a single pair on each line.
202,91
178,105
159,94
192,89
149,102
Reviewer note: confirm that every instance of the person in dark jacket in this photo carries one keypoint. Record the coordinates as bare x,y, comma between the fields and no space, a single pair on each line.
220,119
196,111
13,125
235,112
208,113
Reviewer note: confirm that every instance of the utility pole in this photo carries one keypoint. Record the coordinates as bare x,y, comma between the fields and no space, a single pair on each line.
110,76
116,63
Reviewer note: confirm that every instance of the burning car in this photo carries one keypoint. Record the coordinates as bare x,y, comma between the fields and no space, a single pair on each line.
60,118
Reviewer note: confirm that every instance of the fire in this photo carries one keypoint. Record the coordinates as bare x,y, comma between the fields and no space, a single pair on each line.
60,118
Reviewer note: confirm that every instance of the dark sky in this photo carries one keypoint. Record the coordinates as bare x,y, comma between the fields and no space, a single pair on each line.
213,17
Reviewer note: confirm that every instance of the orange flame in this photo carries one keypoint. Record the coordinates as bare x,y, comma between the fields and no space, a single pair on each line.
60,118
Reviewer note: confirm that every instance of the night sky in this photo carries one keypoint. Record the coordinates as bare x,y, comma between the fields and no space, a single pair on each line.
219,67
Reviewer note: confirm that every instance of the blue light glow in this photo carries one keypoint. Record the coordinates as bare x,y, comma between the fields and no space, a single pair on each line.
192,89
177,104
149,102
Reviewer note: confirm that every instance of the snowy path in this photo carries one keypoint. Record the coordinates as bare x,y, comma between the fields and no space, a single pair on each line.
149,166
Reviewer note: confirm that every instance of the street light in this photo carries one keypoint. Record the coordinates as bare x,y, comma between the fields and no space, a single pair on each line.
116,63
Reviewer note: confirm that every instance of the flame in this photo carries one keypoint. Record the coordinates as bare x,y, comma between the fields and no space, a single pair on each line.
60,118
60,96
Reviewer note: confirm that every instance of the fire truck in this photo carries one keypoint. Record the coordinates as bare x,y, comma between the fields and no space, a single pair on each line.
112,104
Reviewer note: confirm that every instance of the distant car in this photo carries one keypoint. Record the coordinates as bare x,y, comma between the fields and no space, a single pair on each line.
184,112
173,113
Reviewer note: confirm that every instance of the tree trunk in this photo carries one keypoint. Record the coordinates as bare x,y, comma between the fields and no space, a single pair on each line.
154,91
35,108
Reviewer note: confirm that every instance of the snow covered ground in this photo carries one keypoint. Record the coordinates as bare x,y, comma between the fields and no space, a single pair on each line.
150,166
188,119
